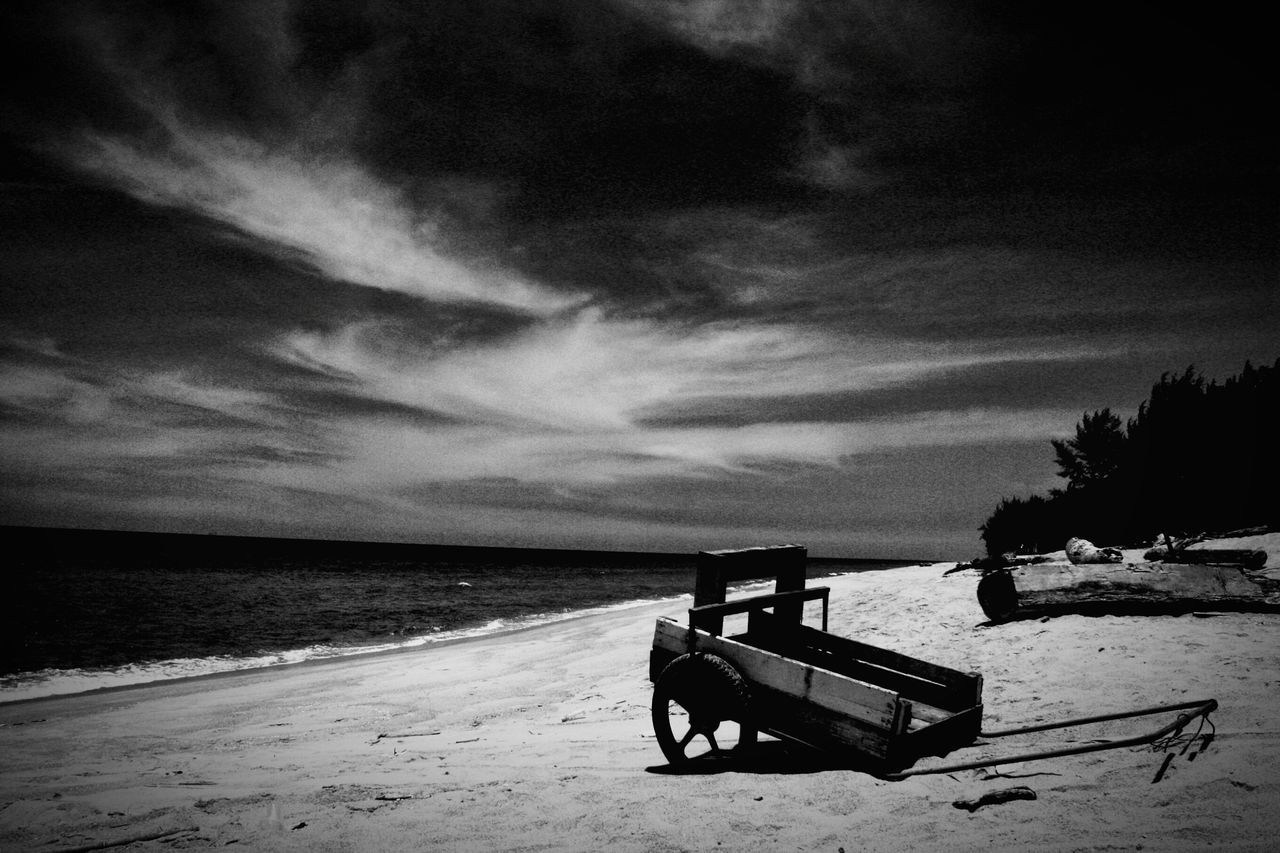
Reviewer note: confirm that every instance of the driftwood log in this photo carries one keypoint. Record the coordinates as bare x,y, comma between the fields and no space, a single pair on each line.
1248,558
1059,588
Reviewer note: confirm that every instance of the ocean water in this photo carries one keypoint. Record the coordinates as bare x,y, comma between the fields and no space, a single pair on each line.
88,610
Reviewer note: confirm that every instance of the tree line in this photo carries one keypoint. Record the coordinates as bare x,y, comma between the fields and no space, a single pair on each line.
1197,457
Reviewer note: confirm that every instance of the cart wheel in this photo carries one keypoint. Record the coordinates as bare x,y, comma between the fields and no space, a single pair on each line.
697,692
997,596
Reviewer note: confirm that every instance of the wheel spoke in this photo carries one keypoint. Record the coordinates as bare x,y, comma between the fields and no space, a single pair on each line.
690,735
711,739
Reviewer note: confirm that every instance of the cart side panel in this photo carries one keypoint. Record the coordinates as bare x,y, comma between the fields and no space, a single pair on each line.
907,686
865,703
658,660
797,719
916,679
956,731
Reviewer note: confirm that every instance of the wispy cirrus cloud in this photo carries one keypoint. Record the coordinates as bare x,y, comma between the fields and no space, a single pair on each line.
72,415
569,407
595,401
591,372
328,210
246,140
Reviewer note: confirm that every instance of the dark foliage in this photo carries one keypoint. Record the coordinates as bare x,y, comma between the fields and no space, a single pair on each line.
1197,457
1094,455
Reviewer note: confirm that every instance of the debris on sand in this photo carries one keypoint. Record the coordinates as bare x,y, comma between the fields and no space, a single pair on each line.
991,798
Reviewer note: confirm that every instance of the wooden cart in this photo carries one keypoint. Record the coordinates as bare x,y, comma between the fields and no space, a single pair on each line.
880,709
796,682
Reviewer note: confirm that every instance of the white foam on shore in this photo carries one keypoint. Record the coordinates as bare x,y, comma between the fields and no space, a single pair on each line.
63,682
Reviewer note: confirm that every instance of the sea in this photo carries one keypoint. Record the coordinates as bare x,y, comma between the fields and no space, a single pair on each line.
90,610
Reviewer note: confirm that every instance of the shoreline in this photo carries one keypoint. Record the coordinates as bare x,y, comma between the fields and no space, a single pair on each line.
420,644
426,645
541,740
410,644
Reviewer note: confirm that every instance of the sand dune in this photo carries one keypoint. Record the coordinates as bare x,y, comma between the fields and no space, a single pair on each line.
541,740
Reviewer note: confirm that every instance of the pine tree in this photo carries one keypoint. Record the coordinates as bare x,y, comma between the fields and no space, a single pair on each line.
1095,454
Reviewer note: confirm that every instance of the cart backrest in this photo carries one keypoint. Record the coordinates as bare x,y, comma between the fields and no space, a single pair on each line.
787,564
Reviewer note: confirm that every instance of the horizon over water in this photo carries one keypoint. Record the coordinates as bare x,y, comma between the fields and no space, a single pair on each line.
93,609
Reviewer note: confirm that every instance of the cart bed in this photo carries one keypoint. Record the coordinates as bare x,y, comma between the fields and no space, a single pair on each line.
836,694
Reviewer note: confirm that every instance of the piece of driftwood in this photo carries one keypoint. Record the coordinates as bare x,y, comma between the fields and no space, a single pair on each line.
1057,588
125,842
1247,557
1002,561
991,798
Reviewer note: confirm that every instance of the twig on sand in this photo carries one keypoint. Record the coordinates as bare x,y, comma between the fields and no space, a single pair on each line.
121,842
402,734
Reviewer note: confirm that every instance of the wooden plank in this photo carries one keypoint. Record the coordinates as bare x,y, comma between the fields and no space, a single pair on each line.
797,720
955,731
824,688
786,644
710,616
658,660
964,682
745,563
717,569
927,714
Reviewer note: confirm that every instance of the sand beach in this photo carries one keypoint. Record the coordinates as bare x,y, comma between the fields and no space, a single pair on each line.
541,740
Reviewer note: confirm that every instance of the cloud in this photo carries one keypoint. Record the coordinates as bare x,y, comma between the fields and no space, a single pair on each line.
385,457
579,402
595,372
600,400
69,416
330,212
251,115
880,80
972,96
721,25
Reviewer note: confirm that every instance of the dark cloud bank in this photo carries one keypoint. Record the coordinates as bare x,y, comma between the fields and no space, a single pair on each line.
593,100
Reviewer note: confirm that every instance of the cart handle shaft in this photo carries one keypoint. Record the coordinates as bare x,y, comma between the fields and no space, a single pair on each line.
1201,708
1102,718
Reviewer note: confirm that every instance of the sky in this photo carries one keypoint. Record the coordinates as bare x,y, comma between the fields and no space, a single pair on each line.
655,275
